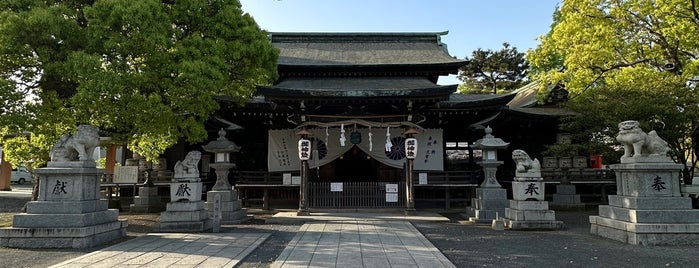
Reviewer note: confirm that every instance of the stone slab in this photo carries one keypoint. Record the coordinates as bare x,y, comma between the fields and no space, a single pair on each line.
83,237
177,216
66,207
183,226
528,205
645,234
26,220
489,204
225,196
147,191
566,198
68,184
633,202
565,189
185,206
491,193
528,190
649,216
190,191
648,179
534,225
530,215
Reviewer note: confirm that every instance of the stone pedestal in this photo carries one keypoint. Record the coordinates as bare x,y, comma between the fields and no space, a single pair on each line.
147,201
489,204
185,212
231,212
648,208
566,198
68,212
528,210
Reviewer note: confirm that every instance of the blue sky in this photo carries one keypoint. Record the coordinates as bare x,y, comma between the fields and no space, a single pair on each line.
471,24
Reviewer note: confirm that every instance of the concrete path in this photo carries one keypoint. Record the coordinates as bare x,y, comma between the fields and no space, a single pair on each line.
174,250
362,242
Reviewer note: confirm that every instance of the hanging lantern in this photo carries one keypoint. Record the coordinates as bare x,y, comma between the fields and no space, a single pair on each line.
304,149
410,148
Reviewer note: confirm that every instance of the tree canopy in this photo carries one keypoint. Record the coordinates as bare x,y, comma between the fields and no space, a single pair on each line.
145,71
488,71
626,60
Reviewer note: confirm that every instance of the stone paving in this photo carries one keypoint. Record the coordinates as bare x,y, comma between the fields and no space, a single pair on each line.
174,250
326,240
360,243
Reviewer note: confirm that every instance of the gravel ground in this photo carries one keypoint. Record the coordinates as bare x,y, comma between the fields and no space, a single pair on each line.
466,245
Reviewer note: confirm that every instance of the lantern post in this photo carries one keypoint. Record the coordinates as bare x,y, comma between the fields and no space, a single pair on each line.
410,154
304,155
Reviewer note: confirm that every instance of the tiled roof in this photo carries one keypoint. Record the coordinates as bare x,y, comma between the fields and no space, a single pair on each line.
358,49
356,87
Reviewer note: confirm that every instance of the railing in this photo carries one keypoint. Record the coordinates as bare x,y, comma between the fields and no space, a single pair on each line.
355,195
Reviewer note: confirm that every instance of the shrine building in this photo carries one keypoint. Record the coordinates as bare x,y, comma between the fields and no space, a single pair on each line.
357,97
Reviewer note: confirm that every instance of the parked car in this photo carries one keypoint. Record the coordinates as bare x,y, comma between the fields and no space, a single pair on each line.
20,175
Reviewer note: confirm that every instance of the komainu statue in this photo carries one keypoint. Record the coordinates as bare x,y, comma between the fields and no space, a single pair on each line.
187,168
76,147
526,166
638,143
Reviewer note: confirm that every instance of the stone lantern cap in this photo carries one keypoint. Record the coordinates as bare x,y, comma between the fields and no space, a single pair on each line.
490,142
221,144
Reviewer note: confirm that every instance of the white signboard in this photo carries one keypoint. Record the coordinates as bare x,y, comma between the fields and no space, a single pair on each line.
286,178
391,197
125,174
422,178
391,188
296,180
336,187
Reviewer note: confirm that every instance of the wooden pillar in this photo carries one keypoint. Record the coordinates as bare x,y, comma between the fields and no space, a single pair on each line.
111,159
5,174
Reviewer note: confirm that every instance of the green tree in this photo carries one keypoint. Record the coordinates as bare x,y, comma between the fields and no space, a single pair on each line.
627,60
490,71
145,71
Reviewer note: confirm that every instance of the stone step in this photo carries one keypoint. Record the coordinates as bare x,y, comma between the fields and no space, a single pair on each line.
633,202
649,216
26,220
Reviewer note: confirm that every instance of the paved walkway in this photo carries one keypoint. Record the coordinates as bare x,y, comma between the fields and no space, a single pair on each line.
174,250
326,240
360,243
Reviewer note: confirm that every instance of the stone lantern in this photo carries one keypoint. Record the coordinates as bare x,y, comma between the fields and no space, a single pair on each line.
491,198
228,210
222,149
490,145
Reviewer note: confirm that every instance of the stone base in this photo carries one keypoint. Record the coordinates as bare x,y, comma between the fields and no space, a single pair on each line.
184,216
147,201
648,220
531,215
489,204
231,212
645,233
62,237
566,198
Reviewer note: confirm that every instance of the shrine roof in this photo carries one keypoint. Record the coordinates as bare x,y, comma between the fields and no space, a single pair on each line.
346,51
355,87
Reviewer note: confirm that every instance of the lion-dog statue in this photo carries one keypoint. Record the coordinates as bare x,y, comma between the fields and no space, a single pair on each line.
187,168
526,167
638,143
76,147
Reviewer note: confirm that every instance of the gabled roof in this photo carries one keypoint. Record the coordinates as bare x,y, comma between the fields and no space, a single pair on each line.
355,87
364,52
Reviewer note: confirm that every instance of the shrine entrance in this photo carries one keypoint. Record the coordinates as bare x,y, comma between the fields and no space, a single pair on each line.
356,180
